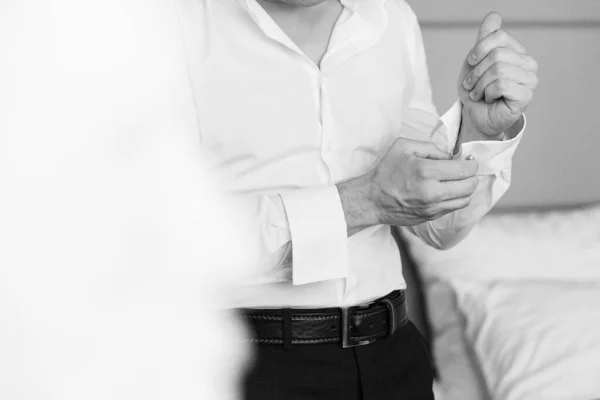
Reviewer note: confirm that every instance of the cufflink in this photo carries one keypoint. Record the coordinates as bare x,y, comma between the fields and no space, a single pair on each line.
469,157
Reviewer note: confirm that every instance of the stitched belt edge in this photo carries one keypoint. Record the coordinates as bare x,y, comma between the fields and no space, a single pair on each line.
393,306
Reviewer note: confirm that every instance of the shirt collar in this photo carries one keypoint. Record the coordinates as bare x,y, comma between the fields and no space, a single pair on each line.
371,11
362,5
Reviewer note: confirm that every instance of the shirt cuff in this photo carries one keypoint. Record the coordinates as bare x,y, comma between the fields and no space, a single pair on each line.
319,234
493,156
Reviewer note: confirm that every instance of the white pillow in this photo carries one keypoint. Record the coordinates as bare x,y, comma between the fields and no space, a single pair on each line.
459,373
535,340
519,246
551,246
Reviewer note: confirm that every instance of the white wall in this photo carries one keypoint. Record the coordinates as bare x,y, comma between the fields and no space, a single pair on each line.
558,161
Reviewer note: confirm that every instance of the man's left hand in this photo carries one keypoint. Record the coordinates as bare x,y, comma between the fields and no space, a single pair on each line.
497,80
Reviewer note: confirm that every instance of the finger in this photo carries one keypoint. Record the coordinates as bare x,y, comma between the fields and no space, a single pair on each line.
491,23
512,91
499,38
499,54
427,150
449,206
450,190
448,170
503,70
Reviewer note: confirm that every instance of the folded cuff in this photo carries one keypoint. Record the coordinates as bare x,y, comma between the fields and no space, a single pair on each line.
493,156
319,234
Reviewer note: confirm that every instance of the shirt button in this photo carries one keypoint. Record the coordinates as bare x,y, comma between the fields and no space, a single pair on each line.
469,157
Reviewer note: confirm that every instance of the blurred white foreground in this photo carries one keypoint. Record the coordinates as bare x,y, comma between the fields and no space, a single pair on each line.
112,244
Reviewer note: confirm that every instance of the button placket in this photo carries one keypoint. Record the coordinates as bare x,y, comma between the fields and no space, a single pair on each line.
326,144
322,99
322,112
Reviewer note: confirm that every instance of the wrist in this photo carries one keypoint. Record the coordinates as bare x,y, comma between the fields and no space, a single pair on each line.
515,129
471,133
359,202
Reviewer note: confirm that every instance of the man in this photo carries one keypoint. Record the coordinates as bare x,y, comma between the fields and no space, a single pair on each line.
318,113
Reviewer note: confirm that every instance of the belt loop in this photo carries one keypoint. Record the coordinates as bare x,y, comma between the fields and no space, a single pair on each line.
287,328
392,311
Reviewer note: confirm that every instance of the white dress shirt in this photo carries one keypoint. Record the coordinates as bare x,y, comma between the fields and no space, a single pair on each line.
280,132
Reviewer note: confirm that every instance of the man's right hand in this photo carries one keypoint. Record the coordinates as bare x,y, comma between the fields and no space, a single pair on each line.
413,183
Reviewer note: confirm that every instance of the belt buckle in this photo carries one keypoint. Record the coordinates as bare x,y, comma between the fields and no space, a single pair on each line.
346,321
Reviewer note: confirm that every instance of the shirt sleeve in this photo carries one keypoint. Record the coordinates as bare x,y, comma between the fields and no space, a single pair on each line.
299,236
494,157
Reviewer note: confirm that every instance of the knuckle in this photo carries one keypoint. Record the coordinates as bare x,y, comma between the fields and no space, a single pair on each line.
481,85
501,35
424,195
534,65
427,194
428,173
497,54
536,81
501,85
528,96
497,68
420,169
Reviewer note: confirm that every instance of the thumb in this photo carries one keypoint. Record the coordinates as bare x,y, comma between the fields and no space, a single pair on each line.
491,23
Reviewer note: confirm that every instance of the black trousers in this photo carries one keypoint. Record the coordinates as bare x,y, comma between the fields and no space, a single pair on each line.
395,368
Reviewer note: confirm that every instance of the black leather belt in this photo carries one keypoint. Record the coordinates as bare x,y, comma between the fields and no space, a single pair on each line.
352,326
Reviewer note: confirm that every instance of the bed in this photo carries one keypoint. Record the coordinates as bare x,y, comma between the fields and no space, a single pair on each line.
513,312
